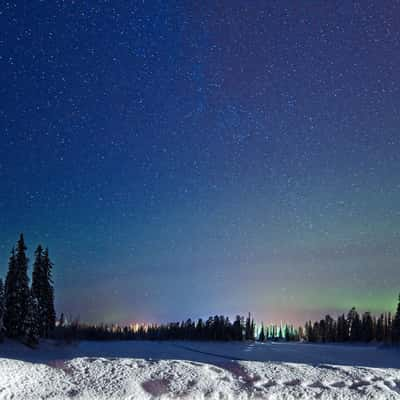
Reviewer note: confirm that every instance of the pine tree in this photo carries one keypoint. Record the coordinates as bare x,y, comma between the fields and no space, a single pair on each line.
367,327
10,320
49,293
380,329
316,332
248,328
389,327
43,292
238,328
354,323
2,309
308,331
300,334
32,322
261,337
38,289
252,329
280,332
396,325
17,291
329,329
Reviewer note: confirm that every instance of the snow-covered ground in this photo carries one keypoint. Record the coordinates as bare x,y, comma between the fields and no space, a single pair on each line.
197,370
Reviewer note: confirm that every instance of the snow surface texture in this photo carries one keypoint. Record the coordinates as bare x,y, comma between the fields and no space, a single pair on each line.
192,370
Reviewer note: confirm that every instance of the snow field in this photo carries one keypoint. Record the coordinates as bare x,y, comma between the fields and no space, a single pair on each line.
216,377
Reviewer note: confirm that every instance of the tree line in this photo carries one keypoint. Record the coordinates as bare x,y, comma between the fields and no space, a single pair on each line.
350,328
354,327
27,312
216,328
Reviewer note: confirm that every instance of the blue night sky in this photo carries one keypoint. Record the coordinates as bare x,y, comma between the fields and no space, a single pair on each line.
182,159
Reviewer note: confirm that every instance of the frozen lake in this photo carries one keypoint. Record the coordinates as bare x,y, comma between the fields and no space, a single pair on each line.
198,370
213,352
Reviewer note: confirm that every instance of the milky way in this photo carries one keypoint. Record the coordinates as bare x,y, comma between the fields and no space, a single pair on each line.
191,158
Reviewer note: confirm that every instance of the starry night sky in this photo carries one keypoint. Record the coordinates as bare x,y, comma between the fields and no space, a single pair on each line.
182,159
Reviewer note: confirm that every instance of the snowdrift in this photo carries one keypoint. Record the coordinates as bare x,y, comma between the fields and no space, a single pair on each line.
215,377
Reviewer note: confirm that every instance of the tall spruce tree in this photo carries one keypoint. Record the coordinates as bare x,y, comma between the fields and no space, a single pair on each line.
354,322
380,329
261,337
367,327
388,328
9,319
32,322
248,328
17,291
396,325
38,289
252,329
238,328
43,291
49,293
2,309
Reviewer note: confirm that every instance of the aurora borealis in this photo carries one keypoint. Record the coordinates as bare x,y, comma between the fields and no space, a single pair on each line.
182,159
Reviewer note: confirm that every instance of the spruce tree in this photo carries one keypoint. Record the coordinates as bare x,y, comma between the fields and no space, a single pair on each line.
389,328
252,330
385,329
10,319
38,289
49,294
247,328
43,292
396,325
2,309
17,291
367,327
199,329
238,328
380,329
280,332
32,322
354,323
316,332
23,292
309,331
261,337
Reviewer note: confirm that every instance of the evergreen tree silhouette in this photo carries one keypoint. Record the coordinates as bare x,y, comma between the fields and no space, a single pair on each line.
261,337
367,330
48,295
238,328
2,309
247,328
342,330
32,322
396,325
38,288
354,323
9,319
388,328
252,329
43,291
17,291
380,329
